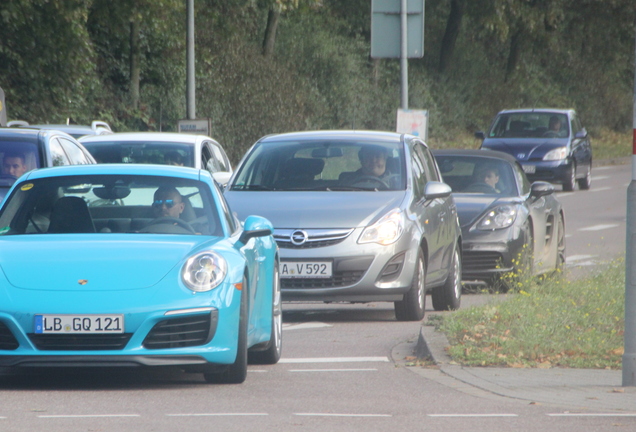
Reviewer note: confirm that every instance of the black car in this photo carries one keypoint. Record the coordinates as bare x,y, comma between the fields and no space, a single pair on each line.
508,225
22,150
550,144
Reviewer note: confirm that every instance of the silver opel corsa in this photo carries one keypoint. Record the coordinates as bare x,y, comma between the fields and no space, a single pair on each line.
359,216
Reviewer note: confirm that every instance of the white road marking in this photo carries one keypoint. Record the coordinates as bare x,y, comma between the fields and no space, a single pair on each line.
599,189
333,370
216,414
473,415
592,414
600,177
603,168
568,235
88,415
580,257
304,326
341,415
334,360
599,227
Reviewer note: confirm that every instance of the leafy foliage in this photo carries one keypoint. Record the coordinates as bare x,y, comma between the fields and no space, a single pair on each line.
64,59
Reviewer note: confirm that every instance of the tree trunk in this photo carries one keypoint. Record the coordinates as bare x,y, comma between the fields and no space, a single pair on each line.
450,35
515,51
270,31
135,68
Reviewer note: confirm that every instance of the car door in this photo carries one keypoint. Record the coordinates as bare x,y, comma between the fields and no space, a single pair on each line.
581,148
540,214
430,213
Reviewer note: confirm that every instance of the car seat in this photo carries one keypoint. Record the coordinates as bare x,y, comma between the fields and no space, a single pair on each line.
70,215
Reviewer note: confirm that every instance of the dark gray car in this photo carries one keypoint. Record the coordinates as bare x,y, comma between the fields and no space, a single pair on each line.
22,150
550,144
359,217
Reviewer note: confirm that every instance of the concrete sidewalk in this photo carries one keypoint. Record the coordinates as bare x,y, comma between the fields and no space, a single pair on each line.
593,390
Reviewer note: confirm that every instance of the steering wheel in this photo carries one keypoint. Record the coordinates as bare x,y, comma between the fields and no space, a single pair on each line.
371,179
550,134
171,222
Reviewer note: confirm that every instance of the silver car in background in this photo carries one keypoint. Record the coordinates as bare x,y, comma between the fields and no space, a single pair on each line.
359,216
164,148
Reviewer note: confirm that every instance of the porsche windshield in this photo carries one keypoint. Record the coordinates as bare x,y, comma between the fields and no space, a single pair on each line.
110,204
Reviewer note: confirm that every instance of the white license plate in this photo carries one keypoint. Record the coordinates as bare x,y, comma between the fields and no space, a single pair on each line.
79,324
529,169
305,269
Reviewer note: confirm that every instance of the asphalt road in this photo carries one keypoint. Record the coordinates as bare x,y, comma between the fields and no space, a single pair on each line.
344,368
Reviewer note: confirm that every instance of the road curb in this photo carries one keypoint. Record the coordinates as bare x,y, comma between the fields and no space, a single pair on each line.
431,345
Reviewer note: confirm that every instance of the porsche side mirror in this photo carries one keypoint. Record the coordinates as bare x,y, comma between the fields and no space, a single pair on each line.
541,188
480,135
255,226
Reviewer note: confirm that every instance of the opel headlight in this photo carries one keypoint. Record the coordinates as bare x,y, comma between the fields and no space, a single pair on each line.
558,153
385,231
498,218
204,271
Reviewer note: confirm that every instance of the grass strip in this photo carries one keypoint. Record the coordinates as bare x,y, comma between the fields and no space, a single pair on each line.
544,323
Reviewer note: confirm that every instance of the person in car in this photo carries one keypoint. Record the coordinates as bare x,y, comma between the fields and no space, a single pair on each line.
554,127
168,202
14,164
174,158
373,169
486,180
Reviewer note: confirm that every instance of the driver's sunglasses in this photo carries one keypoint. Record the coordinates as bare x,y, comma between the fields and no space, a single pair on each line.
168,203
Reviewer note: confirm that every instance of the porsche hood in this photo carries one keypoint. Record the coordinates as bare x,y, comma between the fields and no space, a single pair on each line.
471,206
76,262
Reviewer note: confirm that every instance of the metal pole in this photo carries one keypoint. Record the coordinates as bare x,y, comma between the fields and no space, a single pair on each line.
190,84
404,65
629,356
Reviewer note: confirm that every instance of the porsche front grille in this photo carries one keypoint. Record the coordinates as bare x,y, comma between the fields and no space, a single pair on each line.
475,261
81,342
182,332
7,340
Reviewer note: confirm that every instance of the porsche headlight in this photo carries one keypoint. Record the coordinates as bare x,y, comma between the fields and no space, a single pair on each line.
558,153
498,218
204,271
385,231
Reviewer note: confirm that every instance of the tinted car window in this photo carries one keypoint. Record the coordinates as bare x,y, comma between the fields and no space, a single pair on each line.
58,156
466,175
106,204
323,165
528,125
75,154
163,153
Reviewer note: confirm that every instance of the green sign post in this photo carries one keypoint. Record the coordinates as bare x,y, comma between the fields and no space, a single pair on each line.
397,31
3,110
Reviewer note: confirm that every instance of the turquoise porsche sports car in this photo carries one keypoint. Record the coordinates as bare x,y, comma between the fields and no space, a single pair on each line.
135,265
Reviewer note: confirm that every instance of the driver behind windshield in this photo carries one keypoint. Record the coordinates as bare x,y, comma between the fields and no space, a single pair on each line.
372,164
168,202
